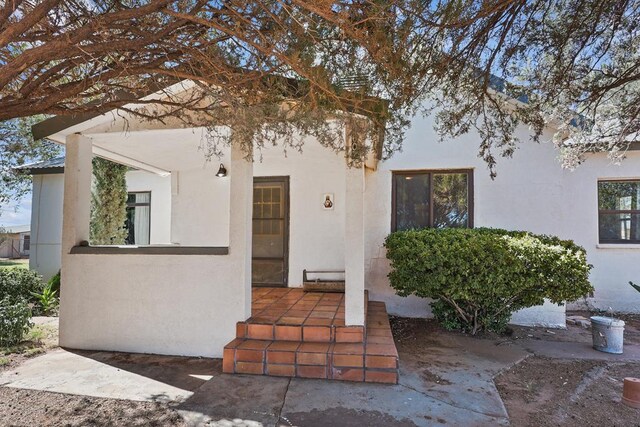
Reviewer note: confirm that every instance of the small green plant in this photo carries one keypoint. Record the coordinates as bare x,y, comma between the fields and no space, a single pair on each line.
36,335
15,321
47,299
4,361
54,282
476,278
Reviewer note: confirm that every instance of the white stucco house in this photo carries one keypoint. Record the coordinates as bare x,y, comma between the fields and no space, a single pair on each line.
264,222
15,241
148,208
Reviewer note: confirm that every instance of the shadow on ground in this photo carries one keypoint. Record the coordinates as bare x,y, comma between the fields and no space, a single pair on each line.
445,379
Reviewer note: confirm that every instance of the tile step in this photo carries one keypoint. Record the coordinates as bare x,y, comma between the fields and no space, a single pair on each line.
321,360
304,333
337,353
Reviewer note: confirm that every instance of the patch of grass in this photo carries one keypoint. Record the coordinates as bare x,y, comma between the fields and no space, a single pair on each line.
4,361
36,334
14,263
38,340
34,351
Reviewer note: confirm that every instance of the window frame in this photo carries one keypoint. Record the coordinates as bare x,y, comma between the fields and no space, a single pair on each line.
615,211
431,172
134,205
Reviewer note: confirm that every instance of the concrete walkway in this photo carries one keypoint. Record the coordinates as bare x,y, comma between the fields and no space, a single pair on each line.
447,380
451,383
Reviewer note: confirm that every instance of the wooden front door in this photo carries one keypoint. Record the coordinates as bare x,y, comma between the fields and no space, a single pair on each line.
270,231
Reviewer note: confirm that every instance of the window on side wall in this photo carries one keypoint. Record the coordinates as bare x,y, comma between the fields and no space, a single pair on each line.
432,199
138,222
619,211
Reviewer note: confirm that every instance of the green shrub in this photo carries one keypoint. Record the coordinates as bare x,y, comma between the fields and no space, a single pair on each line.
54,283
478,277
20,284
15,315
47,300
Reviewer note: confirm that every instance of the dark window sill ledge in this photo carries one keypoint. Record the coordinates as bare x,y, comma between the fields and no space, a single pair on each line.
150,250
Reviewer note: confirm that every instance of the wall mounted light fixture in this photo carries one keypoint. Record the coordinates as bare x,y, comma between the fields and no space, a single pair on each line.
222,171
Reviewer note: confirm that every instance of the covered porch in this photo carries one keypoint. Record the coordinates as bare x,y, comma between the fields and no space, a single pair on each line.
187,295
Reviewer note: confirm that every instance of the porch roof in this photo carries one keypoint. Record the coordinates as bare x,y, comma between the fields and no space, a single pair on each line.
51,166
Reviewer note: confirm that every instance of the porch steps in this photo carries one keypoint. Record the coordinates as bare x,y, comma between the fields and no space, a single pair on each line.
303,333
333,351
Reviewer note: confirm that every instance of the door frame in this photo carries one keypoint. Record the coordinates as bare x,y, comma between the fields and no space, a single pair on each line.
284,179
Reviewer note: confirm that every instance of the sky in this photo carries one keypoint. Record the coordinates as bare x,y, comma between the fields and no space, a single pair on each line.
9,215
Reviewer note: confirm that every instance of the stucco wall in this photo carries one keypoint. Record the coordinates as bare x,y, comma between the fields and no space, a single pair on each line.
46,224
189,304
46,215
160,188
531,192
11,247
165,304
201,214
316,235
180,305
200,207
614,265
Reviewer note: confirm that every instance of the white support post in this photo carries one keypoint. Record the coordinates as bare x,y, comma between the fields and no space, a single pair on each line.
76,214
354,246
77,192
240,221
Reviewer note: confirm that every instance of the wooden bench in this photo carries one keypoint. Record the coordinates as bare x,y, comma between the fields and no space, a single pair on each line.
322,285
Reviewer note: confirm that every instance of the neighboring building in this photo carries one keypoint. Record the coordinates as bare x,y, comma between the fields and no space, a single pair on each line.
265,222
147,219
15,242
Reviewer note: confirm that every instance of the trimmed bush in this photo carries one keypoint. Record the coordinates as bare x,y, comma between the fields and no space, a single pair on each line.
478,277
15,321
20,284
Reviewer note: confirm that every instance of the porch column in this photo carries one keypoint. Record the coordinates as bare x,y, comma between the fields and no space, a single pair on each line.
354,246
76,210
240,221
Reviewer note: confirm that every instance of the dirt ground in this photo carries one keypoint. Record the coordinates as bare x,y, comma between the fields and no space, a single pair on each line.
39,340
550,392
536,392
541,392
37,408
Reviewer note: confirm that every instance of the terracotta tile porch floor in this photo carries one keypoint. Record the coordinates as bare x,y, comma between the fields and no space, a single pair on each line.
303,334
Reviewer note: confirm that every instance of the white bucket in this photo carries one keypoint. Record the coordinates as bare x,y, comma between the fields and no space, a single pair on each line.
607,334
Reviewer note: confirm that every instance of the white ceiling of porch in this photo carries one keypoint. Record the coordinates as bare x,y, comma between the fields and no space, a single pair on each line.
167,149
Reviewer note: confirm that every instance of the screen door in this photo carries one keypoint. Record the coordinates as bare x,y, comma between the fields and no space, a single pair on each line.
270,231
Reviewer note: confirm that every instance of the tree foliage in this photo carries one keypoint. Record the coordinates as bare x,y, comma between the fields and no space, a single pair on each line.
478,277
17,147
572,63
108,203
276,70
